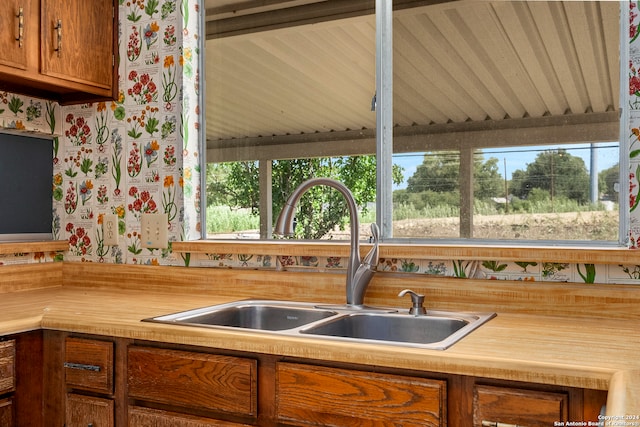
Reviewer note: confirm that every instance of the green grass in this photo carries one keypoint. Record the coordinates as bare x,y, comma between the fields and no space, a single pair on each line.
480,207
223,219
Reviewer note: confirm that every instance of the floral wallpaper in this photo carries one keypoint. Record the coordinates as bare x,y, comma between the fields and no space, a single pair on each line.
140,154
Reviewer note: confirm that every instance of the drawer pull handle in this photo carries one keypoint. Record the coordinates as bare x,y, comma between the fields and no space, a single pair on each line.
82,366
20,16
58,28
498,424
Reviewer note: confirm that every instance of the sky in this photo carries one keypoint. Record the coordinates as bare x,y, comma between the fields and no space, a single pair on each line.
518,158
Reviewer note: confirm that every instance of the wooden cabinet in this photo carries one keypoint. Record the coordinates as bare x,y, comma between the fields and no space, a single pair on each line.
193,381
493,406
60,50
308,395
13,49
146,417
6,412
83,411
147,384
7,382
88,367
21,380
7,366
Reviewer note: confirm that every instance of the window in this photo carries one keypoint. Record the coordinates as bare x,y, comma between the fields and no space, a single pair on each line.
505,114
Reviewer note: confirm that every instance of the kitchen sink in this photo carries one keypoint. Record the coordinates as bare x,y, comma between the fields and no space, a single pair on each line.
261,315
437,329
434,330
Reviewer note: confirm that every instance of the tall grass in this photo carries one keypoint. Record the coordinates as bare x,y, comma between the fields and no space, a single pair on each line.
481,207
223,219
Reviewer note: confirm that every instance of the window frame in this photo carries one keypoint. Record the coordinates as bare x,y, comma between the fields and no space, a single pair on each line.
384,142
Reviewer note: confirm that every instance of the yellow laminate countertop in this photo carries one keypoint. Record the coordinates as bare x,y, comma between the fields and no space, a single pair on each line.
590,353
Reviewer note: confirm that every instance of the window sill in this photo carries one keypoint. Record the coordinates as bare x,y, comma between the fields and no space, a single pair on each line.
562,254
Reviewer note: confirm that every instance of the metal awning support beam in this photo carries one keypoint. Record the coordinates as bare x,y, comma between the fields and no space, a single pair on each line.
384,117
594,127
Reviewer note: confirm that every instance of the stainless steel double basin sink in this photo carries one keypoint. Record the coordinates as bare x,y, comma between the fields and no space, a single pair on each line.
436,330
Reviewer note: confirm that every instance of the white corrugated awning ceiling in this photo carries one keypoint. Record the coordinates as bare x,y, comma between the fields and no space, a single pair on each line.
280,71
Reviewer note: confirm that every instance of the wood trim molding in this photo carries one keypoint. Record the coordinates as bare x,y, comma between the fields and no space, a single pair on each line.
29,247
565,254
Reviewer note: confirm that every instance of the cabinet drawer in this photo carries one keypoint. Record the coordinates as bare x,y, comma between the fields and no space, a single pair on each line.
88,364
193,380
139,416
312,395
526,408
7,366
83,411
6,413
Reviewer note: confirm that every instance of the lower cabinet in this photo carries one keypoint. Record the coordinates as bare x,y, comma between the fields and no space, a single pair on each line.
146,417
308,395
108,382
84,411
6,412
21,380
88,368
193,382
7,381
503,406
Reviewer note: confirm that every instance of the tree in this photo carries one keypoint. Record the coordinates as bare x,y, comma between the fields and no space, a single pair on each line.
225,185
440,173
556,171
607,179
320,210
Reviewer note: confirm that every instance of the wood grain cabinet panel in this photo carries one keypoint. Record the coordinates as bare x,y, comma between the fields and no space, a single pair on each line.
79,50
88,364
60,50
309,395
83,411
6,413
195,380
146,417
514,406
7,366
13,48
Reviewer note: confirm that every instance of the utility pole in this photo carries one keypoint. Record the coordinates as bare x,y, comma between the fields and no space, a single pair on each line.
506,187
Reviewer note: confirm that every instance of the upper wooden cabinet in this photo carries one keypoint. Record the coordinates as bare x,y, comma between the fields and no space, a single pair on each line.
59,50
13,49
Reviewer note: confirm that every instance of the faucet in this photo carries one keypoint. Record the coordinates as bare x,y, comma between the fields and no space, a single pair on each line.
359,273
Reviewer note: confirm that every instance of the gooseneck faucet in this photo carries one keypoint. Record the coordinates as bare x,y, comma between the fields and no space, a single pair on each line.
359,274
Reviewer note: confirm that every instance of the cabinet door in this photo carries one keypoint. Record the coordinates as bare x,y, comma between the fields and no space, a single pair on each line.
83,411
309,395
88,364
530,408
145,417
7,366
77,42
14,15
193,380
6,413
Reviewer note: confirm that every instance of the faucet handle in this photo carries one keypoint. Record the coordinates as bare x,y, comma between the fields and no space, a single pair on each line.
417,301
